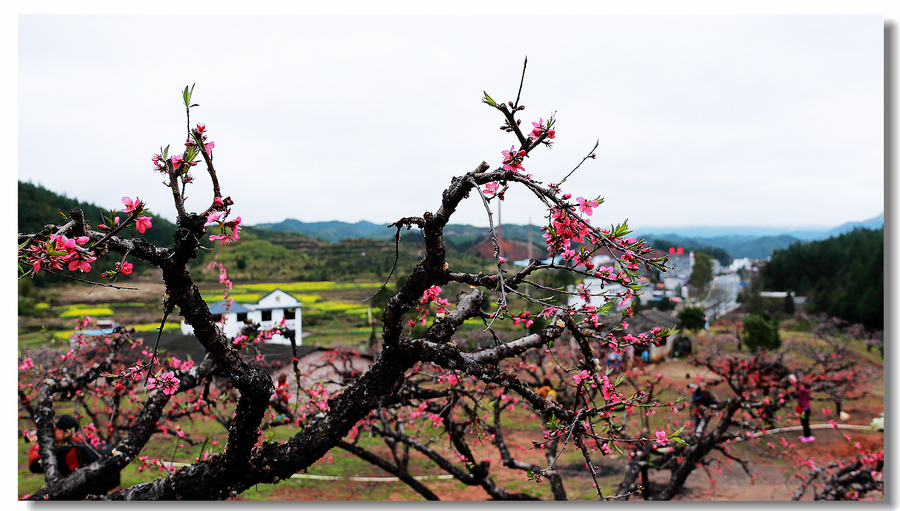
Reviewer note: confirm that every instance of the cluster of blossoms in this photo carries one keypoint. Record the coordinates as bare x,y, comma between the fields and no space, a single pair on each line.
431,295
180,164
132,374
159,163
230,230
540,129
142,223
607,387
60,250
450,379
167,382
199,133
565,228
522,318
181,365
436,420
512,159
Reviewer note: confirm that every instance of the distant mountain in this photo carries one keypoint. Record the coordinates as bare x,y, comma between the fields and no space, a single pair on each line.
750,242
458,234
737,246
715,232
872,223
332,231
724,231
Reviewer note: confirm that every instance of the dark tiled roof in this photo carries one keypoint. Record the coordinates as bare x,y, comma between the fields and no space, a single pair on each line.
219,308
650,319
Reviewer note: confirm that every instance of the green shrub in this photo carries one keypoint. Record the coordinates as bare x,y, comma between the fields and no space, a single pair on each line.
692,317
761,332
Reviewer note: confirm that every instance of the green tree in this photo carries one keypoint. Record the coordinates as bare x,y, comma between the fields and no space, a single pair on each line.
664,304
692,317
789,307
701,275
829,272
761,332
750,298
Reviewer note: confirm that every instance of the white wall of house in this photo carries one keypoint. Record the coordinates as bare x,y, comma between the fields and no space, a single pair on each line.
593,285
272,308
268,313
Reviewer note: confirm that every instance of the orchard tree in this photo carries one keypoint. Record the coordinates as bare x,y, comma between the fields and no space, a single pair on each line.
247,459
835,370
754,396
426,388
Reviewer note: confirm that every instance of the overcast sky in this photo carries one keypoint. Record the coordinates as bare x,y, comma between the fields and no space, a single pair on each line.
743,120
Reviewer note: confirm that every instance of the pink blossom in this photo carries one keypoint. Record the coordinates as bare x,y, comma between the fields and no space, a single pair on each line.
167,382
131,205
662,438
609,390
213,217
126,268
539,128
583,375
431,294
491,188
177,160
143,223
225,238
586,205
512,159
26,364
436,420
81,262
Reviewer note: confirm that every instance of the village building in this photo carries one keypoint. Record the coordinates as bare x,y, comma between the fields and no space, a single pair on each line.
646,320
268,313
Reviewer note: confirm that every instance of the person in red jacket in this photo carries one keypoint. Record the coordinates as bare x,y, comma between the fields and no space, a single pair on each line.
72,452
803,408
64,448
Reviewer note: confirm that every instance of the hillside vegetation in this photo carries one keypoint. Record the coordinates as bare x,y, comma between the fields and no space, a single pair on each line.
38,206
261,254
841,276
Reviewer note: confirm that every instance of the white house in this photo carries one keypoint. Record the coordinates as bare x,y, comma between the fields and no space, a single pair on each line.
268,312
